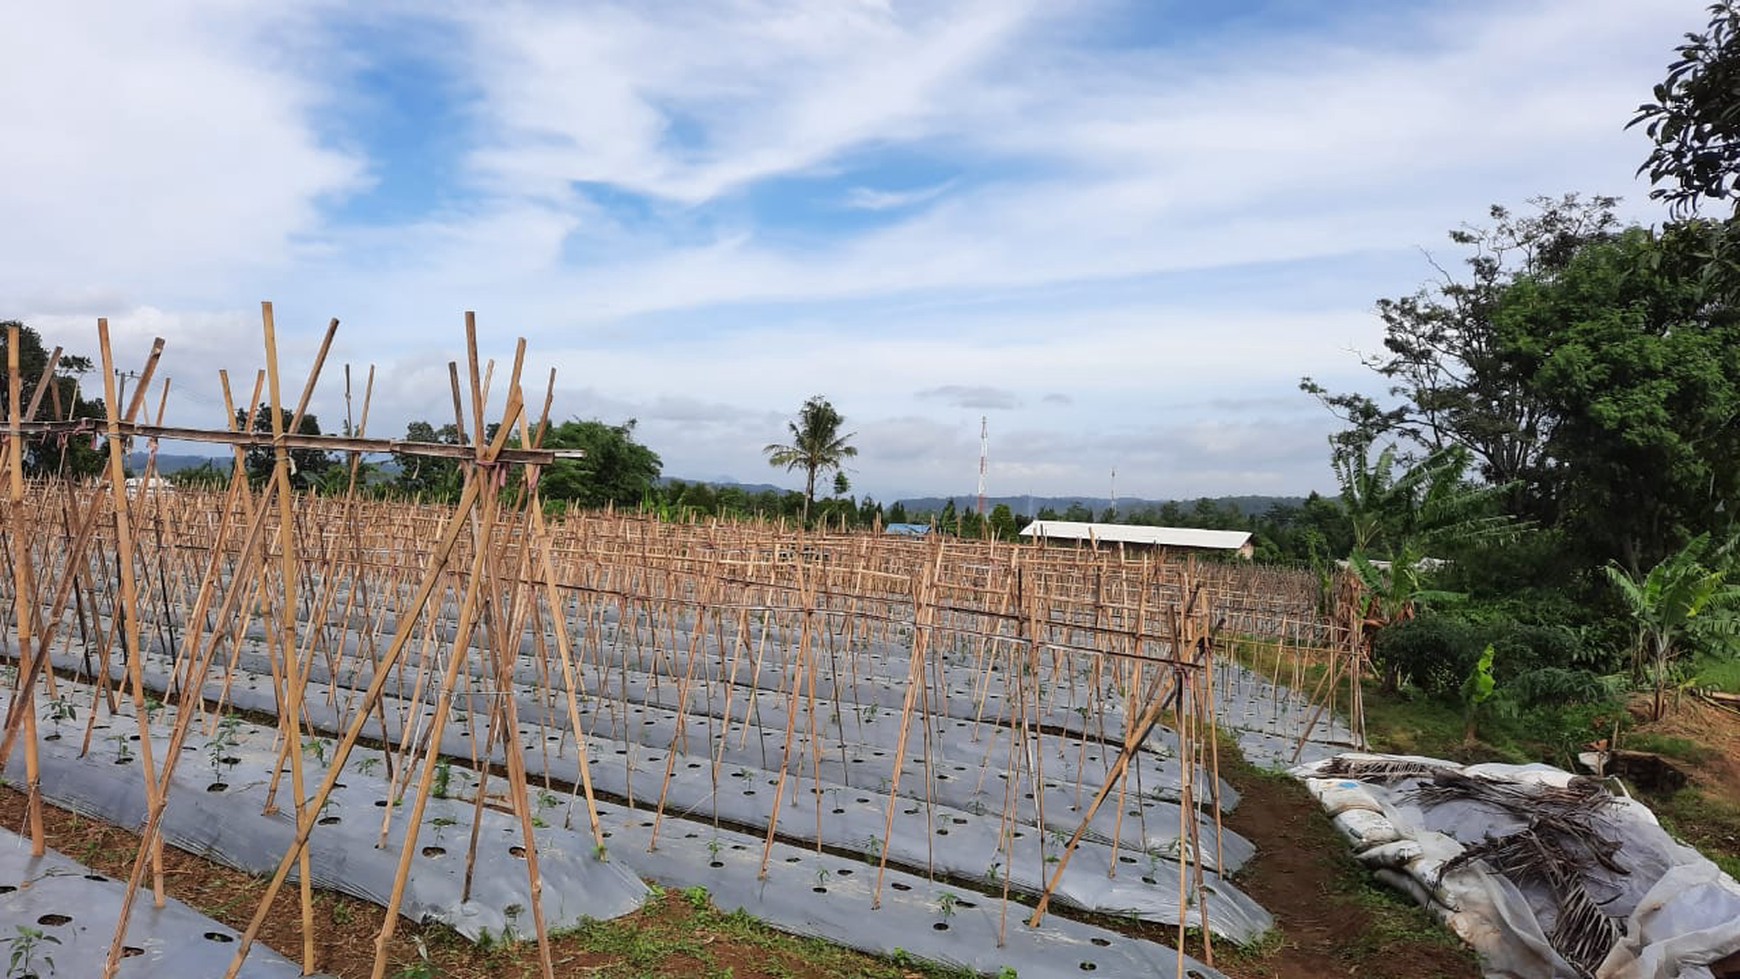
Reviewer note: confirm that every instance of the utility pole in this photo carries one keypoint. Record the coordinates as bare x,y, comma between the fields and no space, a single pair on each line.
123,376
121,408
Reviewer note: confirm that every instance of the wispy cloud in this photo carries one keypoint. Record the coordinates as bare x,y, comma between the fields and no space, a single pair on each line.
702,217
972,396
868,199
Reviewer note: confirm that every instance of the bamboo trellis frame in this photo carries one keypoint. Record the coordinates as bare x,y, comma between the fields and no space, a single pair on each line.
707,610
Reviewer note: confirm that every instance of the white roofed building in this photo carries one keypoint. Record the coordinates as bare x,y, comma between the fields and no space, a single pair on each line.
1131,535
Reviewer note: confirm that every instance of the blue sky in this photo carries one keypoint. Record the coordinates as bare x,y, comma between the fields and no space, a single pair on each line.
1120,230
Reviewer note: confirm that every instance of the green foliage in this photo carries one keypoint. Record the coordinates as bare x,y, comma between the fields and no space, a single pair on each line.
222,741
308,467
61,709
25,948
206,475
1718,673
1694,119
1432,653
73,458
1537,665
1443,354
1477,689
429,477
817,446
1637,367
1556,686
1679,595
615,470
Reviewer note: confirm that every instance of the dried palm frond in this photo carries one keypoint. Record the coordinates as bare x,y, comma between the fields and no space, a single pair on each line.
1380,770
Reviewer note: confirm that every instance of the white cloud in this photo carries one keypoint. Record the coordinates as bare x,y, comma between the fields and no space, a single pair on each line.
765,87
1137,250
151,148
870,199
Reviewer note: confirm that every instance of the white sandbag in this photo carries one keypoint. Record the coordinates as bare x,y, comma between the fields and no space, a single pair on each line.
1338,795
1365,828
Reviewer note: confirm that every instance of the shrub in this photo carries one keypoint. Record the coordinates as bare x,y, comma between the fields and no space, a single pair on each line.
1433,653
1554,686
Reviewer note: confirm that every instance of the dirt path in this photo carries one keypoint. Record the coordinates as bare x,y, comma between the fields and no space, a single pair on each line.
1333,919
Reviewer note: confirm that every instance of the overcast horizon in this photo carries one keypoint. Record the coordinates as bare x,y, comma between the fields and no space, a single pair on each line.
1121,231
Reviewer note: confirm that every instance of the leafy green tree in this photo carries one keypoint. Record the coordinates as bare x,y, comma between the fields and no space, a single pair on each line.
51,455
1078,513
1694,118
1003,526
308,467
897,513
1444,351
429,477
817,446
1635,363
1681,593
615,469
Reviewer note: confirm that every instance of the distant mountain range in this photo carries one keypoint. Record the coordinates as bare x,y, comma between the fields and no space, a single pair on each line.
750,488
1023,505
1027,505
169,463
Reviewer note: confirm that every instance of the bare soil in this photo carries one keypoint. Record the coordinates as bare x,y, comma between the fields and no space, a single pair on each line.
1332,919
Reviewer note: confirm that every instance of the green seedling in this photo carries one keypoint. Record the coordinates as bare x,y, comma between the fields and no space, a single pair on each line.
26,948
62,709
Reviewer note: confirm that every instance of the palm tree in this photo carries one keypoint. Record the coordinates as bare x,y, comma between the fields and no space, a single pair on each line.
816,446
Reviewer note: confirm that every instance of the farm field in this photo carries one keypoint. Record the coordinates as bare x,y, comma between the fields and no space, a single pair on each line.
509,726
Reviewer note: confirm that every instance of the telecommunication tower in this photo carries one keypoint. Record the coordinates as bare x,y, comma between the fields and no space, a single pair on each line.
984,458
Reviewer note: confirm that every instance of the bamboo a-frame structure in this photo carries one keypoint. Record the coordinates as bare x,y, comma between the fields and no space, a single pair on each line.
403,618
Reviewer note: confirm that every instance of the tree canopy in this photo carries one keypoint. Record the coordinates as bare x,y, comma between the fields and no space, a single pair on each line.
1693,118
51,455
615,469
428,477
308,467
817,445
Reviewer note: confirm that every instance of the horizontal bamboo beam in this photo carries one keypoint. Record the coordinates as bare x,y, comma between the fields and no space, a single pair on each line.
323,443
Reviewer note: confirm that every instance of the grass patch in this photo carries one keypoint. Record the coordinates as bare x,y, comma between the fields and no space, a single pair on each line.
1394,919
1710,824
680,934
1672,747
1719,673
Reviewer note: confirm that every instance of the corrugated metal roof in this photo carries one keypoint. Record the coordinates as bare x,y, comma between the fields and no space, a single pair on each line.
907,529
1226,540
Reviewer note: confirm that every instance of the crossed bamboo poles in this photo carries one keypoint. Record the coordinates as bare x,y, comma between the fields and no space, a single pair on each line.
1055,625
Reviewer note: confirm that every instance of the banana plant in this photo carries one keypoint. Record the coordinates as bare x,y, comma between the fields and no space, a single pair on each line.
1678,596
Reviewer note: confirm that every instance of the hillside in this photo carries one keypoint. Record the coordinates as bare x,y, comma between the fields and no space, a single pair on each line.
1030,505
